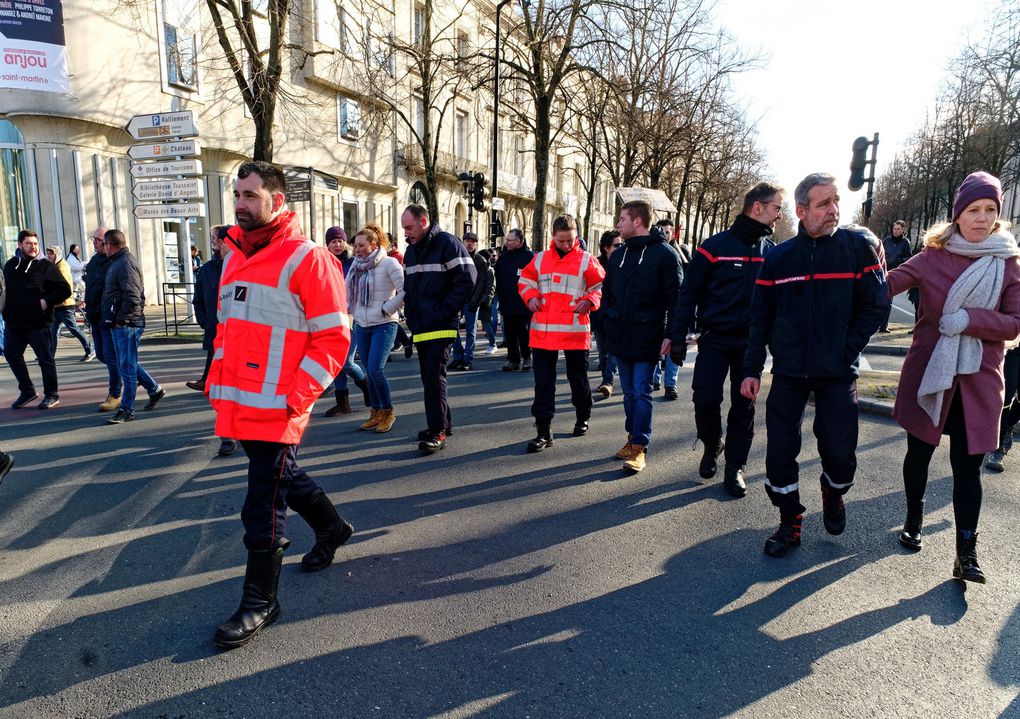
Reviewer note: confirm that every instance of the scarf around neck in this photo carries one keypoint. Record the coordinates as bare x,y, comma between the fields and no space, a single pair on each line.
359,283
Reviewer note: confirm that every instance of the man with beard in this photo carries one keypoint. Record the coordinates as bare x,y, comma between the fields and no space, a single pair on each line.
818,299
717,290
897,251
283,336
102,336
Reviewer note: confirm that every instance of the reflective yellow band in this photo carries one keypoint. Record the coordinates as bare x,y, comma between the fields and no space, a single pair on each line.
437,335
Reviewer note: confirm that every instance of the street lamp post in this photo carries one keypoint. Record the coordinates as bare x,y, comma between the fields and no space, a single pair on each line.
495,228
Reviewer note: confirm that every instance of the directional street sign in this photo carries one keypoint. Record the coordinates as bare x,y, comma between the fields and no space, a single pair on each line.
161,150
163,125
189,189
167,169
159,212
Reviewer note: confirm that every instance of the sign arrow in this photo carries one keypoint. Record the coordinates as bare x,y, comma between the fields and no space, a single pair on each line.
162,125
160,150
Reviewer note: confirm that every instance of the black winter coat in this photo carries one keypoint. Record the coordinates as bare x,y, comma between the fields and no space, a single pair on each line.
719,281
95,285
439,277
639,297
897,251
206,299
28,281
124,294
817,301
508,271
477,298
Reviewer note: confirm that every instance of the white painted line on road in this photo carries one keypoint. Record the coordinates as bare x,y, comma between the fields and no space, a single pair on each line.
865,366
909,312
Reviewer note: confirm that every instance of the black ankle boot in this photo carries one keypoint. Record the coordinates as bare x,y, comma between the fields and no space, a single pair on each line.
581,424
363,386
910,537
543,439
709,465
331,532
966,565
259,607
733,480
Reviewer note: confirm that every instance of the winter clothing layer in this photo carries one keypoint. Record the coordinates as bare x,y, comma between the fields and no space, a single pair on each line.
28,281
95,285
439,277
508,271
124,293
386,280
561,281
205,301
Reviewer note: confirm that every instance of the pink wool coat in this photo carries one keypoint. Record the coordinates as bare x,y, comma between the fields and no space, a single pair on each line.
935,271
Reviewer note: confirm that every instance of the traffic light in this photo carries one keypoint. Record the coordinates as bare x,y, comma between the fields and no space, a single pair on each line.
858,162
478,192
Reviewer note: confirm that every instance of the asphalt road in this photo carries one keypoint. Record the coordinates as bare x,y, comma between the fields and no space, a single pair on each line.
483,581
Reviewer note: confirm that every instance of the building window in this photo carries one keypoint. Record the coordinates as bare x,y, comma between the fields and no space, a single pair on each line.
180,21
518,150
349,118
461,137
463,44
419,24
351,221
327,23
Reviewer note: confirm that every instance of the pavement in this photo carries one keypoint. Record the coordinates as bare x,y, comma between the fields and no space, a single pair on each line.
482,581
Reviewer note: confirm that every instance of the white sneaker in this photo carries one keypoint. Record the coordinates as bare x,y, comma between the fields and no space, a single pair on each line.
492,350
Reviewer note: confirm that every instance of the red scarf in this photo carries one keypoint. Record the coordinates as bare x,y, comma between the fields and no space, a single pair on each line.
251,241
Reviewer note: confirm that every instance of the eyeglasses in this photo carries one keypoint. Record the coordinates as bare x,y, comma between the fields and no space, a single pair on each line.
617,244
97,239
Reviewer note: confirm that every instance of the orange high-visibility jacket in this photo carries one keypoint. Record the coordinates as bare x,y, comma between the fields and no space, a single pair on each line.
562,282
283,335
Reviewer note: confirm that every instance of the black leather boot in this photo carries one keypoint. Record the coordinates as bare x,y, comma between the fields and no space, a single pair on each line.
709,465
581,424
259,607
363,386
331,532
966,565
544,438
910,537
733,480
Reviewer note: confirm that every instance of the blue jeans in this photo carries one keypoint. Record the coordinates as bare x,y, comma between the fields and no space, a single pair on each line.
126,340
351,368
65,316
636,381
488,324
374,346
466,352
672,370
495,314
106,351
607,361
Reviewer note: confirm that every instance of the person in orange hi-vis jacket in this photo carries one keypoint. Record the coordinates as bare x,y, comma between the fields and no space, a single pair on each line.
283,335
561,286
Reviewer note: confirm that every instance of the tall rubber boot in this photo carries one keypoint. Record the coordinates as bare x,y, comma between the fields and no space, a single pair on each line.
259,607
331,531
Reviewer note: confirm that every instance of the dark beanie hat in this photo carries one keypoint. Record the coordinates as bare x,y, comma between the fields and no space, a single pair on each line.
333,232
977,186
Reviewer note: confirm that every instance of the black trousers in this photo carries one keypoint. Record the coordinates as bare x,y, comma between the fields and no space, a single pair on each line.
720,356
516,329
1011,409
15,342
835,428
966,469
275,482
208,364
544,407
433,356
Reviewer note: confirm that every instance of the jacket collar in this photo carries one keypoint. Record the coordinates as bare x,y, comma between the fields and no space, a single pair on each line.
749,230
251,241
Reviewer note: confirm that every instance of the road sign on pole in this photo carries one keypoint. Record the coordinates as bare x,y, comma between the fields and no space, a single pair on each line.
163,126
190,189
166,212
162,150
167,169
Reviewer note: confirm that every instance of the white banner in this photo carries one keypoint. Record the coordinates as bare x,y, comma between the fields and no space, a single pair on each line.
32,52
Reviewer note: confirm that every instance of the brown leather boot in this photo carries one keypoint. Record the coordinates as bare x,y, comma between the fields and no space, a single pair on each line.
343,404
386,420
373,420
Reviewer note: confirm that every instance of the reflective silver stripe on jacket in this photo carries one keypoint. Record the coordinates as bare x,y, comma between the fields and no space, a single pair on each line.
319,373
248,399
544,327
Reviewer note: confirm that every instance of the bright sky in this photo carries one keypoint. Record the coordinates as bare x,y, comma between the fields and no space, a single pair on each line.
836,70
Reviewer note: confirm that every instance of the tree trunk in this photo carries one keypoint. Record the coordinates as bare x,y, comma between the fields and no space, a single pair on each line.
543,133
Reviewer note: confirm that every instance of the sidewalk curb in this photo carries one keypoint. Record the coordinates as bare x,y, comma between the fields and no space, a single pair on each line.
874,406
889,350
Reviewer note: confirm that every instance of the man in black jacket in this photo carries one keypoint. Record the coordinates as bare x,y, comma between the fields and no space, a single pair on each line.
464,354
897,251
516,315
34,286
818,299
718,285
102,336
124,313
638,300
439,277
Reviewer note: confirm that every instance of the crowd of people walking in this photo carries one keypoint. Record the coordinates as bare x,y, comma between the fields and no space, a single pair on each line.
285,318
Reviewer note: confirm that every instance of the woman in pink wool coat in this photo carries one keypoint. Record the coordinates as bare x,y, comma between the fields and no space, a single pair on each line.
951,382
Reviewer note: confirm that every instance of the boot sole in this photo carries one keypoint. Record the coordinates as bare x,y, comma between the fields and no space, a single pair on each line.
960,576
236,643
774,550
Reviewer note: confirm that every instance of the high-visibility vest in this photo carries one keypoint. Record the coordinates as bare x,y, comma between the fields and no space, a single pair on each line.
562,282
283,335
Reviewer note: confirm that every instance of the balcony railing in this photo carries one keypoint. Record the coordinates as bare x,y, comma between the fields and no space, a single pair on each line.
448,165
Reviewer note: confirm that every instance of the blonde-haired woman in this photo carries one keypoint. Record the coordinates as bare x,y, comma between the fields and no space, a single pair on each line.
375,292
951,382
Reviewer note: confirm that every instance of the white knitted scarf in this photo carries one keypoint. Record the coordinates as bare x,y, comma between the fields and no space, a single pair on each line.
978,287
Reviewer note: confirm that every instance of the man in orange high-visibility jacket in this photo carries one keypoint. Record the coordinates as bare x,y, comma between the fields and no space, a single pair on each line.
561,286
283,335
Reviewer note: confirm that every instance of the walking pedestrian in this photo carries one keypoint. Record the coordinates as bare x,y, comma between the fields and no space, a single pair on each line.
63,313
485,311
375,290
818,299
269,368
464,354
124,313
336,243
608,243
439,277
952,381
561,286
897,251
102,335
996,460
516,316
638,300
716,298
34,286
77,266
